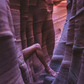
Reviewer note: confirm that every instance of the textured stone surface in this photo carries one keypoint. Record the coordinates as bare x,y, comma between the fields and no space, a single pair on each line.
30,22
66,50
31,28
73,57
9,68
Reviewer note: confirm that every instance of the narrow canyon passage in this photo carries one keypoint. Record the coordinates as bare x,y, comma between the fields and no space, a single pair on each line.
59,18
41,42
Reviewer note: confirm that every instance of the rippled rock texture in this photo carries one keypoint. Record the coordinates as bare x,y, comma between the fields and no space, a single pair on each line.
25,22
71,70
31,22
9,68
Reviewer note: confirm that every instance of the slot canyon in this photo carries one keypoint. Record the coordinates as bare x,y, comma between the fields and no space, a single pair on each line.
41,42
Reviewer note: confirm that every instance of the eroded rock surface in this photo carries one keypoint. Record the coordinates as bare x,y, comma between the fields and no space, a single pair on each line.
25,22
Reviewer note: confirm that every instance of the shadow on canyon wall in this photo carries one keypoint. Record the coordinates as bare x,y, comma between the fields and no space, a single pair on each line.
26,22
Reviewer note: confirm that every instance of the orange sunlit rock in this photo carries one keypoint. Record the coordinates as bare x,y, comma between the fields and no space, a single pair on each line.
59,17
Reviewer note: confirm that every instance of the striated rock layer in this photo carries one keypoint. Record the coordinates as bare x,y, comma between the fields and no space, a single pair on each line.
71,71
9,67
27,22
